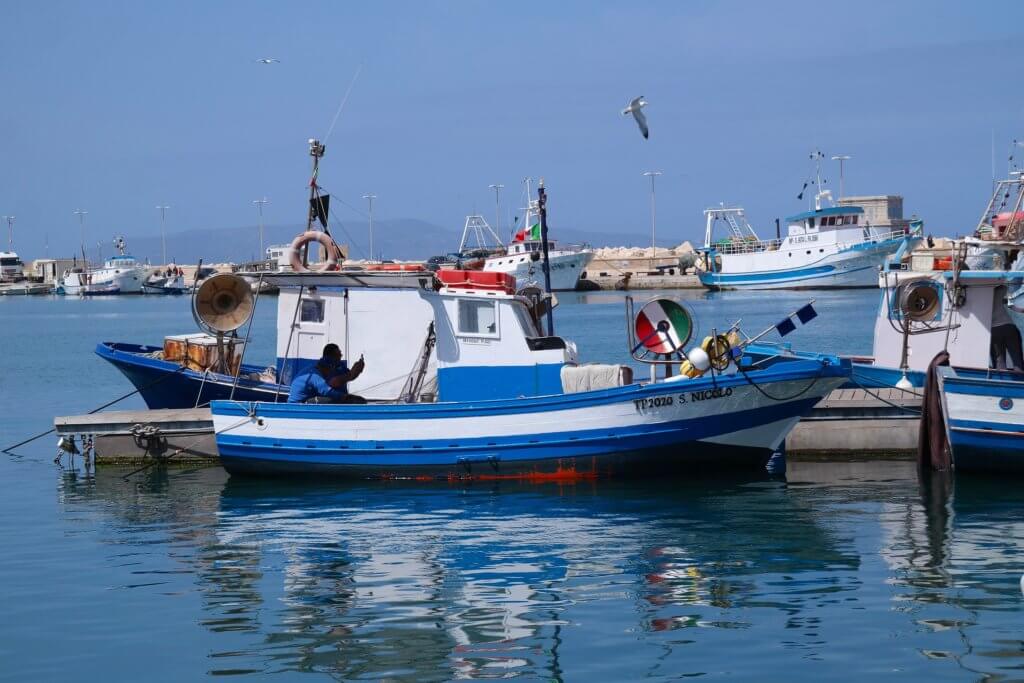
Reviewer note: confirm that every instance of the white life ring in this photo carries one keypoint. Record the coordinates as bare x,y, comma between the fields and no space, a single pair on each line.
331,248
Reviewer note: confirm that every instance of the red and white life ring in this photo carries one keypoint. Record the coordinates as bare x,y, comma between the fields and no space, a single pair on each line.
331,248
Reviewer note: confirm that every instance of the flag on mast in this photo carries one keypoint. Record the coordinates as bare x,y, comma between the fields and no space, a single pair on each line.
804,314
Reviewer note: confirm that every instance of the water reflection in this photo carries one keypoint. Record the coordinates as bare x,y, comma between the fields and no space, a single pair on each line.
414,582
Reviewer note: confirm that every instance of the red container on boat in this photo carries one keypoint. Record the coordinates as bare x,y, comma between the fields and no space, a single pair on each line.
478,279
943,263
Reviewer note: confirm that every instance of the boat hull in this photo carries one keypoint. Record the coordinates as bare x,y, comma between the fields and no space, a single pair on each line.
637,430
163,384
854,267
566,268
984,413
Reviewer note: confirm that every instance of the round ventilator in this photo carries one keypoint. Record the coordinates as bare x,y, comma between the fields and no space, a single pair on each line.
663,326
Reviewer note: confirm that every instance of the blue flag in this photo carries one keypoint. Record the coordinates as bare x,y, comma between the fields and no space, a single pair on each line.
804,314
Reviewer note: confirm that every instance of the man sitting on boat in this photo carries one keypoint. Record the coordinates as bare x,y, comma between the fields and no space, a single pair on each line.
1005,335
327,381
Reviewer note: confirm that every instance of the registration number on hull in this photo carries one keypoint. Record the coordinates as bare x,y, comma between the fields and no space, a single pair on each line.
643,404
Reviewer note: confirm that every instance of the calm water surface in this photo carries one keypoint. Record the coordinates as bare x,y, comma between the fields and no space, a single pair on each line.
838,571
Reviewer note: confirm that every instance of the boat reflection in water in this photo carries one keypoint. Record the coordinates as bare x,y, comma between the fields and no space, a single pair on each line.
597,580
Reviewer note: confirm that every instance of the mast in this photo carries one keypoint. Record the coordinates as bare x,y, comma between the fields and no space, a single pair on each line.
542,209
316,150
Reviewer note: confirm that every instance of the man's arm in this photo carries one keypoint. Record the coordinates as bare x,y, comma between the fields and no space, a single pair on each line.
323,388
357,369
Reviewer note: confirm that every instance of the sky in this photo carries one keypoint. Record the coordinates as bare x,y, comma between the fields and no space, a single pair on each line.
118,107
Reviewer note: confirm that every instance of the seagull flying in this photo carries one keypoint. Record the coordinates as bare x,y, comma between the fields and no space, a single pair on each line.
268,60
634,108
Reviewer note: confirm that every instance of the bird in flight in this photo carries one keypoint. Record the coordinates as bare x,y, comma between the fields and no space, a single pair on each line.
635,108
268,60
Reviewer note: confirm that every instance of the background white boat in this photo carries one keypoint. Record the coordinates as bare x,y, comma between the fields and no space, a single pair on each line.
122,272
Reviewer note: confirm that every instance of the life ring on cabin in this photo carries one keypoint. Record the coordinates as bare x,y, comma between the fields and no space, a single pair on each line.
331,248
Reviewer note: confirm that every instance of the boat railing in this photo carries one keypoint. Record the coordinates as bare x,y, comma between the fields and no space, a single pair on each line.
752,246
871,238
749,246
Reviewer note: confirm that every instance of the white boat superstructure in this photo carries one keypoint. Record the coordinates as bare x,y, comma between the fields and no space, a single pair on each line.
121,272
524,258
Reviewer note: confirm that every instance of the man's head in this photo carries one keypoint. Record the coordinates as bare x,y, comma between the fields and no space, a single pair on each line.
330,359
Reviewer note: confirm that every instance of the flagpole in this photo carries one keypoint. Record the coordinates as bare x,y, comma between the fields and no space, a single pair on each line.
542,209
772,327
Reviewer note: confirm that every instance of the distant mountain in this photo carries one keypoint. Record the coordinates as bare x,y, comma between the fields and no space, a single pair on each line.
401,239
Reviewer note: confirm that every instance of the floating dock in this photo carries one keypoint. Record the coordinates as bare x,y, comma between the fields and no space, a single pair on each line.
879,422
136,436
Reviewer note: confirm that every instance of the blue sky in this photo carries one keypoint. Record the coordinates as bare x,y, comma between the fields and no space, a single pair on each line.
118,107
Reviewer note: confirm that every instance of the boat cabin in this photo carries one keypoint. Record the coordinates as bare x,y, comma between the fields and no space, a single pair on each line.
838,218
470,337
960,323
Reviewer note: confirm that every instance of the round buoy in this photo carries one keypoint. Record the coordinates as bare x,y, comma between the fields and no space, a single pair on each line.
663,326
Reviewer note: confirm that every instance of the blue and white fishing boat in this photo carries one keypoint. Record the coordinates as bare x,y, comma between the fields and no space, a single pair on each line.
983,412
465,378
827,247
120,274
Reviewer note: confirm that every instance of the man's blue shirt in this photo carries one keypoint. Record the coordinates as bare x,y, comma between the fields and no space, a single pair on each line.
311,384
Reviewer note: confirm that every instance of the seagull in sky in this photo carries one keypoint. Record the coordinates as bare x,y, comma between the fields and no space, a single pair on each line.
635,108
268,60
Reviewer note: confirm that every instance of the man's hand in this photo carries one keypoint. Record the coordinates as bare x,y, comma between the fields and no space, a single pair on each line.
357,368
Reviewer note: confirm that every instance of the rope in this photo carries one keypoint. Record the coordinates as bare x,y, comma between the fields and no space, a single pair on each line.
182,449
9,449
875,396
776,398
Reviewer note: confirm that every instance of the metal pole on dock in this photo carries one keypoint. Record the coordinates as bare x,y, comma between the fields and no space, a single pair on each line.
497,206
163,233
81,226
10,232
370,197
652,175
259,205
841,158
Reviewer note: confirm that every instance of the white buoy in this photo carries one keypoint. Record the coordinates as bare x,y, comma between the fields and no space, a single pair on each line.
699,359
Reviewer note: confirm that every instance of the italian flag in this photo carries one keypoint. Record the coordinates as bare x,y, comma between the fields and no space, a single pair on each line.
532,234
672,339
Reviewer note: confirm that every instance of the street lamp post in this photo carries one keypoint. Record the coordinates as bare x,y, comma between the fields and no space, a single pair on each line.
497,206
81,226
370,197
652,175
10,232
163,234
259,205
841,158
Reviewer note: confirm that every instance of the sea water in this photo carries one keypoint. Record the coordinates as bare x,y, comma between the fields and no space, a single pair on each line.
845,570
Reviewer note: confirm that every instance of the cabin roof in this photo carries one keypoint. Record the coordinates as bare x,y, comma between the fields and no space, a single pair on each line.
830,211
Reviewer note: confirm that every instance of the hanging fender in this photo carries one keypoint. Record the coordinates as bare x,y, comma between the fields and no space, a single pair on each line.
331,248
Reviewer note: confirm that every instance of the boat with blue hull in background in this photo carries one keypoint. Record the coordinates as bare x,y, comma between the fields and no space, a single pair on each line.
826,247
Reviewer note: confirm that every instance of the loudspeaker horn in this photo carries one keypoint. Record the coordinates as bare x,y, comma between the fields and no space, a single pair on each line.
223,303
919,301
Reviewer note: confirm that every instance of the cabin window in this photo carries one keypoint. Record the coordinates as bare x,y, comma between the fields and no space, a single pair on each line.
478,317
312,311
855,218
525,321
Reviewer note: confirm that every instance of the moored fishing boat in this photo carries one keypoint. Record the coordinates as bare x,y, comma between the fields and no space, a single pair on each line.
121,272
826,247
983,412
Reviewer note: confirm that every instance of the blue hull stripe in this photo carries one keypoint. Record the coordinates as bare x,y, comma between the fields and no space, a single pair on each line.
517,449
789,370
